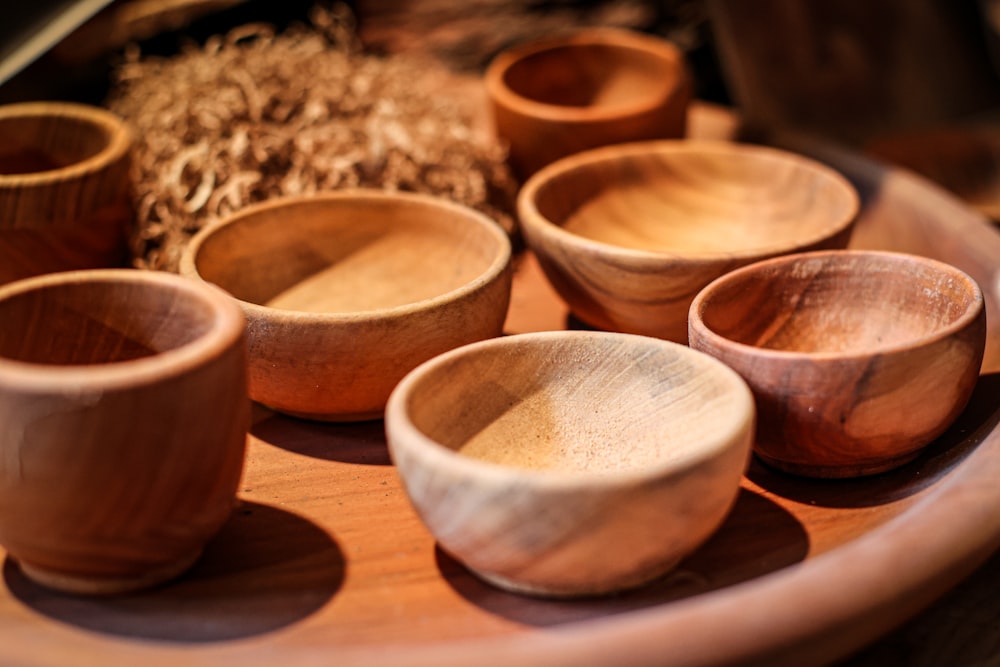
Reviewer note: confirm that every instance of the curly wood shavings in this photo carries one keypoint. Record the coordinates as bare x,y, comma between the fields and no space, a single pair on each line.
253,115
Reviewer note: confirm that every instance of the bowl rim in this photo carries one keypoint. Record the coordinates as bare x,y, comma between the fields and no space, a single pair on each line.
738,431
116,148
227,328
532,220
496,268
975,310
500,93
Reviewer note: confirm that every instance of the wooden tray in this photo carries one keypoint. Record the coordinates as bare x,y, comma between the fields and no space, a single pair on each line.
324,562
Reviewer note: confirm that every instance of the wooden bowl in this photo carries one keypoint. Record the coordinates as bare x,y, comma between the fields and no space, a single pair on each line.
345,292
123,420
571,463
65,200
592,87
629,234
857,359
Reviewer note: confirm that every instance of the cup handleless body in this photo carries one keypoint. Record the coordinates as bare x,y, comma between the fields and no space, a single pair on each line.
119,458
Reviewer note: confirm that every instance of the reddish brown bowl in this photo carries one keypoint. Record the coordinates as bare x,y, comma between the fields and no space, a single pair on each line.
857,359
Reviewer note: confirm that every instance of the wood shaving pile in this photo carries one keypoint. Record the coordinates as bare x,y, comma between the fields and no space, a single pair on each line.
253,115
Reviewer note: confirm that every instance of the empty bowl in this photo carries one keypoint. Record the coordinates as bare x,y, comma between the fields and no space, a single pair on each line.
123,420
65,197
857,359
571,463
591,87
345,292
629,234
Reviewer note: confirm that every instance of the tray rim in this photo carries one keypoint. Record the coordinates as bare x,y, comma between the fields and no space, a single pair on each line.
953,528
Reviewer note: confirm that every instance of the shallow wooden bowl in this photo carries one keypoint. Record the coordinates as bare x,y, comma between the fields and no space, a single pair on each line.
592,87
123,421
857,359
65,201
571,463
629,234
346,292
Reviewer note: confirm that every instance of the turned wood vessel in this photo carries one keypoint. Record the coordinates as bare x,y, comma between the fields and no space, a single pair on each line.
346,292
65,200
123,421
592,87
629,234
857,359
571,463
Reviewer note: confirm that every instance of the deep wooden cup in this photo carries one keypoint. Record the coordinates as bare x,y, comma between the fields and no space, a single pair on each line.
345,292
571,463
592,87
123,419
65,198
857,359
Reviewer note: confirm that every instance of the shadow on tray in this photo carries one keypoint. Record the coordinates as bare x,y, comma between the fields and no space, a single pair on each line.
266,569
356,442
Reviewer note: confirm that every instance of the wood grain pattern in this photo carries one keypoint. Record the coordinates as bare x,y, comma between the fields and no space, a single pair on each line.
350,290
64,189
857,359
123,399
571,464
592,87
629,234
326,560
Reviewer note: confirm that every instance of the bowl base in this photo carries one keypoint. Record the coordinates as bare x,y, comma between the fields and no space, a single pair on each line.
333,418
82,584
580,590
839,471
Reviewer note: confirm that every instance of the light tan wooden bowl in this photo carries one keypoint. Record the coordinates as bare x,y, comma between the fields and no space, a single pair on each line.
123,419
345,292
571,463
65,200
857,359
592,87
629,234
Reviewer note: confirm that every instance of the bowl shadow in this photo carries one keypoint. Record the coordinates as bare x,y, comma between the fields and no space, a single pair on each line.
980,417
266,569
758,537
353,442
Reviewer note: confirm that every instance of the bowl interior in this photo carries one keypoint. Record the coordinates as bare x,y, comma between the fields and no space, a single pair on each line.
343,255
696,199
44,142
590,75
842,302
599,403
99,322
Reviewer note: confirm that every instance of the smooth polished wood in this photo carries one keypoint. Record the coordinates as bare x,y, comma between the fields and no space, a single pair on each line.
571,464
124,409
857,359
629,234
345,292
326,560
64,189
590,87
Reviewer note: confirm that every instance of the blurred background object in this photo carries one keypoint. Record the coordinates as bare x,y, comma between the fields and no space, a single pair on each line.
854,69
